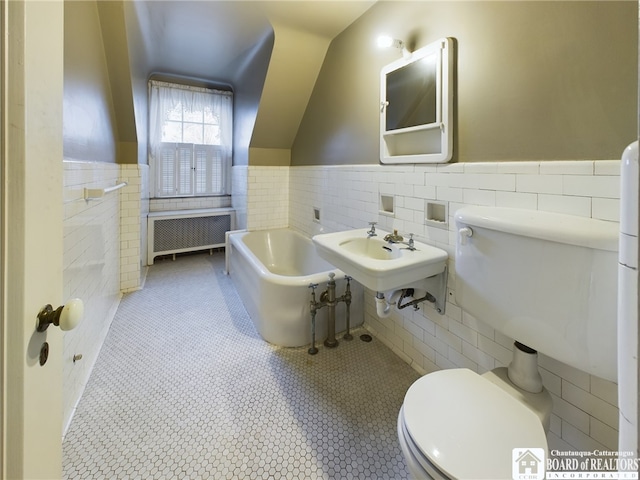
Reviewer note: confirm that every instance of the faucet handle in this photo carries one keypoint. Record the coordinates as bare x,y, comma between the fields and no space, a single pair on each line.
372,230
411,241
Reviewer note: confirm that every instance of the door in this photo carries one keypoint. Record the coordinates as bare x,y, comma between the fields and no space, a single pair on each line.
32,88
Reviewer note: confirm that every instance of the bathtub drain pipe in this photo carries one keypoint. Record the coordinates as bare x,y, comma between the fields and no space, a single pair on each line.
314,308
347,301
331,341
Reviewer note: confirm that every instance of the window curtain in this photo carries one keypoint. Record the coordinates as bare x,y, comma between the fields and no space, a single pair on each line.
163,97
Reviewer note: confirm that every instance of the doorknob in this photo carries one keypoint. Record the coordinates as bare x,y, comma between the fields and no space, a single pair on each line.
66,316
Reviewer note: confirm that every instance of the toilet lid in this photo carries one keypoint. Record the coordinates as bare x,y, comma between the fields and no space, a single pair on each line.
467,426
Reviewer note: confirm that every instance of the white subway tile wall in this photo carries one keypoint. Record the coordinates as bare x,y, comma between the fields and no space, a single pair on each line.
239,177
91,265
585,414
144,211
267,197
131,207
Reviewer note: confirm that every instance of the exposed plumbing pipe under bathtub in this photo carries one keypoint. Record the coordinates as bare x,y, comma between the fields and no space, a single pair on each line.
314,308
330,296
328,299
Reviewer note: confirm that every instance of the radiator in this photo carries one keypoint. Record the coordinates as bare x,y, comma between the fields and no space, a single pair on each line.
187,230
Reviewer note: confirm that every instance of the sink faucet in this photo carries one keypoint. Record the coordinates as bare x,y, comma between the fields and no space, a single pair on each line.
393,237
410,245
397,238
372,231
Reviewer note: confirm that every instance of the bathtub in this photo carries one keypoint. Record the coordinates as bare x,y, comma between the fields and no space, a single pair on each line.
272,270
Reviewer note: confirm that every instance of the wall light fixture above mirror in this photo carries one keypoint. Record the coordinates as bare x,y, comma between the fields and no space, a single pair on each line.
416,106
386,41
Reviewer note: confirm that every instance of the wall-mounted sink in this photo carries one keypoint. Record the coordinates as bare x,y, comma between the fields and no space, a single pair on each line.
376,264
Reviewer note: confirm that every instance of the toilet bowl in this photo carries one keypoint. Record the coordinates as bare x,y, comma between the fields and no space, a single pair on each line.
458,424
546,280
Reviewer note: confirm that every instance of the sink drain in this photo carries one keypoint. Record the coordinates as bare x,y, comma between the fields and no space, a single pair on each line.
366,337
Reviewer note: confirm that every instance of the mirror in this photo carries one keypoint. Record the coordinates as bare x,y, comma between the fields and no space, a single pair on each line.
411,94
416,106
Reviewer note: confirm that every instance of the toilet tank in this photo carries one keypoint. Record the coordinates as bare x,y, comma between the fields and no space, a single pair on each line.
544,279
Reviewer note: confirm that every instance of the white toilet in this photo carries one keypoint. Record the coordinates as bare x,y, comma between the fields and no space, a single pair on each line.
550,282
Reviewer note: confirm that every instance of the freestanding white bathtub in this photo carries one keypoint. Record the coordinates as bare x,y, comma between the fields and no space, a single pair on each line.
272,270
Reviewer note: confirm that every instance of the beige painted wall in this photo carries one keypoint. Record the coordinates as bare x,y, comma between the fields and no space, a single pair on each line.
116,48
535,80
138,77
270,157
89,125
295,62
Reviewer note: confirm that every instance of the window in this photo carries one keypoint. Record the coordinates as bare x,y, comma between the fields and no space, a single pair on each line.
190,136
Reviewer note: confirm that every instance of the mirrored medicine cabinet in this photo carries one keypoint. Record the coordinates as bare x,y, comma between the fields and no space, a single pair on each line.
416,106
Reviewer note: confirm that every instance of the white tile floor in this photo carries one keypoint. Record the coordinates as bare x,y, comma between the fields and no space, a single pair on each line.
185,388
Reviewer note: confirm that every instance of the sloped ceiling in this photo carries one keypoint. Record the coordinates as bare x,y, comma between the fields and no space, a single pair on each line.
303,31
208,40
199,39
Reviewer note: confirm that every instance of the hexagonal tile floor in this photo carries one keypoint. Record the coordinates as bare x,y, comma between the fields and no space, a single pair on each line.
184,387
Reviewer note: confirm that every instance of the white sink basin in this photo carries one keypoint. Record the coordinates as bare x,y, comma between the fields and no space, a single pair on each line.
376,264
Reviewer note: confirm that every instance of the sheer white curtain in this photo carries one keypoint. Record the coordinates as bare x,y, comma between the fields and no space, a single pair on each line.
190,139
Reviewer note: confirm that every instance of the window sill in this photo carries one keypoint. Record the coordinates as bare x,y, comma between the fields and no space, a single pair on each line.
189,197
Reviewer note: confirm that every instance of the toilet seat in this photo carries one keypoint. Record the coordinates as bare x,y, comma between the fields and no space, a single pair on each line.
419,466
466,426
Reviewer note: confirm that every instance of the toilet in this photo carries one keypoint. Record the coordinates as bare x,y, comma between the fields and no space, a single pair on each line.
547,280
